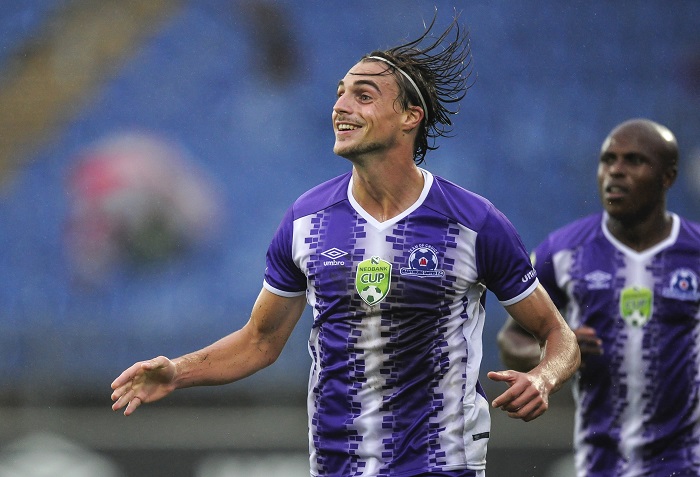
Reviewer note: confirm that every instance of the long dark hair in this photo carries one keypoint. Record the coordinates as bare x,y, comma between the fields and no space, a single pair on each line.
441,71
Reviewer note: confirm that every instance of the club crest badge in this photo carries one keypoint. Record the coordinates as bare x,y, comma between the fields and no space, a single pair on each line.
422,262
683,285
373,280
636,305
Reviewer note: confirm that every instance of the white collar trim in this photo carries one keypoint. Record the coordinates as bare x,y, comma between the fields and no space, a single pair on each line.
427,184
668,241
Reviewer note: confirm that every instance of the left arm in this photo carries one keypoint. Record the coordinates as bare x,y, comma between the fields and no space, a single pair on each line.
527,396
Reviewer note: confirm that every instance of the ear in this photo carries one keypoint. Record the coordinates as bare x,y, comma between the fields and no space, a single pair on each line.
413,117
670,176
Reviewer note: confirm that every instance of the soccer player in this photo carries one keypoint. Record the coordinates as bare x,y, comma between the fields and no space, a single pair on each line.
627,278
394,262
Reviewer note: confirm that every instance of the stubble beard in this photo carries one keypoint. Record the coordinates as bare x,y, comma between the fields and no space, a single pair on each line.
355,153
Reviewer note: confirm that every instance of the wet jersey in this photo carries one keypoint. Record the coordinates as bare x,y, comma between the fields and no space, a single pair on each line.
398,313
638,405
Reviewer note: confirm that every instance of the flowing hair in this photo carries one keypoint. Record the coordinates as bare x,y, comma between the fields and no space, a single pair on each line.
440,70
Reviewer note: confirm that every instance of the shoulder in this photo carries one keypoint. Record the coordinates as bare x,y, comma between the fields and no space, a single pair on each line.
578,232
322,196
575,235
691,228
687,239
459,204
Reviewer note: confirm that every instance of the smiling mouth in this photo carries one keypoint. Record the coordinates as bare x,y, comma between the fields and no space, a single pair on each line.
347,127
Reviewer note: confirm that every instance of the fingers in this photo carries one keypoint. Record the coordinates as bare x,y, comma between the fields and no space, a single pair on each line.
133,404
129,400
524,406
506,400
530,410
145,381
523,399
137,370
500,375
128,375
127,384
509,401
590,346
121,398
588,341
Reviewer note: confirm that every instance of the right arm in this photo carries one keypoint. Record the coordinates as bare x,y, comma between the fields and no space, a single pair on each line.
238,355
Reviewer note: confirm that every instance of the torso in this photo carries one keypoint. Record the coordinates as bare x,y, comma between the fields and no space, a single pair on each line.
639,403
398,315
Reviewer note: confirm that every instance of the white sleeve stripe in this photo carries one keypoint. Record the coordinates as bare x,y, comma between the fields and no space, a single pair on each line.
523,295
279,292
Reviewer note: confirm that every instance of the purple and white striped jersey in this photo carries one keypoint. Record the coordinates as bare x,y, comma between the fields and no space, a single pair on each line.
638,405
398,311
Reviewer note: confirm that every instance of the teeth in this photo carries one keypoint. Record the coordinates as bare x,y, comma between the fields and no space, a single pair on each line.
346,127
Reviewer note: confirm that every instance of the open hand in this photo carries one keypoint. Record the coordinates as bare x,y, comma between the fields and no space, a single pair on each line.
143,382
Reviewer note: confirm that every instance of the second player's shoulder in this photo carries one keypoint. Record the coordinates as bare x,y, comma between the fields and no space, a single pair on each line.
580,231
687,237
690,227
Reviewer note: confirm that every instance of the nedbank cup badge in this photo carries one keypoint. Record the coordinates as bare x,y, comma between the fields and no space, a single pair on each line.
636,305
373,280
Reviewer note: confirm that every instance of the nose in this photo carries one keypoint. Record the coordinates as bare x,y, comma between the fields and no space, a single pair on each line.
342,105
615,166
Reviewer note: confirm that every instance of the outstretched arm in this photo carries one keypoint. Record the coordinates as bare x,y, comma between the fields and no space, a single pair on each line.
527,396
255,346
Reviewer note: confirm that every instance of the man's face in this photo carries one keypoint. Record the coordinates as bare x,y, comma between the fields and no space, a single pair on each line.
365,116
632,174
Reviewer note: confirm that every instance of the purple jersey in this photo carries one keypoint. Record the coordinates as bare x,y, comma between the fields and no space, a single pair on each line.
638,405
398,312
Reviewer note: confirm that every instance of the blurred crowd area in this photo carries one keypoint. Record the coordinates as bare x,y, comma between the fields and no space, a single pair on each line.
148,151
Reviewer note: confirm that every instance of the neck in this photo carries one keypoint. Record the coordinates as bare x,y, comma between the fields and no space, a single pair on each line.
641,235
384,190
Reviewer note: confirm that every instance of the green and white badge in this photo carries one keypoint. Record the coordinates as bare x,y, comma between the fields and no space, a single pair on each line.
636,305
373,279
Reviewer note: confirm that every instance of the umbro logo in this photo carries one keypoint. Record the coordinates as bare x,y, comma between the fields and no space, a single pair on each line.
598,280
335,254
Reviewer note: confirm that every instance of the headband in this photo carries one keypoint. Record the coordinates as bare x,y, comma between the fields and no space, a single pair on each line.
410,80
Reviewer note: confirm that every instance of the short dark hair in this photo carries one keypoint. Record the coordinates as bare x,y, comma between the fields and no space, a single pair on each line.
441,74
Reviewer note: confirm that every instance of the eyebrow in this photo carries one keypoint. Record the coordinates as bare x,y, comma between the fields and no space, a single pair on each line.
363,82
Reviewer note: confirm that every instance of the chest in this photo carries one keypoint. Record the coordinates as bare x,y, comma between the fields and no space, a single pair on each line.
606,285
419,259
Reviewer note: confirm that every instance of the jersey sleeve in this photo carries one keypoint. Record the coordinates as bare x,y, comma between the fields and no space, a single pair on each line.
282,275
502,260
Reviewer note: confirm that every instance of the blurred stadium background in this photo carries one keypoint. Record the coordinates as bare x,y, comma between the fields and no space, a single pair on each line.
149,149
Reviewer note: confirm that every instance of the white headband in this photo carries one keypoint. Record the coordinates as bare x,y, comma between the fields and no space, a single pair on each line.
410,80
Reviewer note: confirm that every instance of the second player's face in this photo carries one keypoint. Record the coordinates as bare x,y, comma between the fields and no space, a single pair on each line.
365,116
631,176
